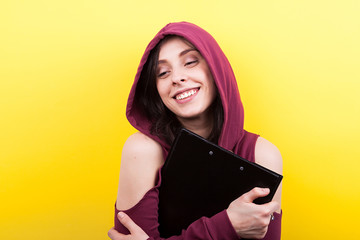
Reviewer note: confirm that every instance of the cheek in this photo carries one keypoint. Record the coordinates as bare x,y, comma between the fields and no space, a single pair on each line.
213,92
210,82
161,88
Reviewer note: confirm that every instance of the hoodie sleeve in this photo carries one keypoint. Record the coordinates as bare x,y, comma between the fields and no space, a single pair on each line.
145,214
274,230
215,227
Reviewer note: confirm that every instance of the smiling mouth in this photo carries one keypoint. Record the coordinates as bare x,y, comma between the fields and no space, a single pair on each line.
186,94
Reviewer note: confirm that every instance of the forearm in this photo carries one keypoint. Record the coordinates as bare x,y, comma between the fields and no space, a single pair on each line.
215,227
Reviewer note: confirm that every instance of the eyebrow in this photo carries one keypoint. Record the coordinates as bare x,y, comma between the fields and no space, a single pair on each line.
180,54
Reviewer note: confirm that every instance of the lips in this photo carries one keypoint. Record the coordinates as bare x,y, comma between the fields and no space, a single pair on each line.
185,94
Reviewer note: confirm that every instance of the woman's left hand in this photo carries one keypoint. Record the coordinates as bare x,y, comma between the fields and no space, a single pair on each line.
136,233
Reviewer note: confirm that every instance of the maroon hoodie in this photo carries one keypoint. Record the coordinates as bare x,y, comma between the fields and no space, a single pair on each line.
233,137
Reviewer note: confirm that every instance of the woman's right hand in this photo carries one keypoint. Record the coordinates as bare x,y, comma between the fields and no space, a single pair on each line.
251,220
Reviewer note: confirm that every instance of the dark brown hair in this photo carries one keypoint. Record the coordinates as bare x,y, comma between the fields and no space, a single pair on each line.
164,123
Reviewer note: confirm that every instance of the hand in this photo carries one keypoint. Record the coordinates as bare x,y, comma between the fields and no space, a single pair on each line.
136,233
249,219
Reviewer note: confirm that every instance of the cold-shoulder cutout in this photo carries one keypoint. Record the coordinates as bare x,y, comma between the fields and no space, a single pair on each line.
268,155
141,159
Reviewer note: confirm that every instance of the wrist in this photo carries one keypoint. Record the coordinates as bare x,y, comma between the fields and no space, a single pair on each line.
233,222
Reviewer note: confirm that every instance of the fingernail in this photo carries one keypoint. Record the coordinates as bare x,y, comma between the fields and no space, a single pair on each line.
266,190
121,214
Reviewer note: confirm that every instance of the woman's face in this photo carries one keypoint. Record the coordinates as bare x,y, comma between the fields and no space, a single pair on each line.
183,80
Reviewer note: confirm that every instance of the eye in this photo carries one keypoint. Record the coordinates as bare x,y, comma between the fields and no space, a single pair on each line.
190,63
162,74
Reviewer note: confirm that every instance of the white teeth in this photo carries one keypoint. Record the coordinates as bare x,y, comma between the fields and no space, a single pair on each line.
186,94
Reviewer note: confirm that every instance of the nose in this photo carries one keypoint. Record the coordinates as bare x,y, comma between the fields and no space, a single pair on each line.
178,77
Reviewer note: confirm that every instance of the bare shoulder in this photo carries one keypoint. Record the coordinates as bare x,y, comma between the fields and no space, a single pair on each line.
268,155
139,144
140,161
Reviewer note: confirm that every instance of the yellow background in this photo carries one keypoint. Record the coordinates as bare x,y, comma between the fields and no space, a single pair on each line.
66,68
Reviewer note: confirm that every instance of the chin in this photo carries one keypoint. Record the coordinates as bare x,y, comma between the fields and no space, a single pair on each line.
190,115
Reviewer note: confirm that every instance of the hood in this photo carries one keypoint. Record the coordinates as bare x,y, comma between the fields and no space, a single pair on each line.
232,130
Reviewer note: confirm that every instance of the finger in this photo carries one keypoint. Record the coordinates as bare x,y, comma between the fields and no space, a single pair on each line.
128,222
115,235
272,206
255,193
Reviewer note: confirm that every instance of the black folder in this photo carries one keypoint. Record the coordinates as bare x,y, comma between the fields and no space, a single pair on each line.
199,178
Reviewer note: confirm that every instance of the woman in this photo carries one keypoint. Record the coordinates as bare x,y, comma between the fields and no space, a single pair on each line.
185,80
